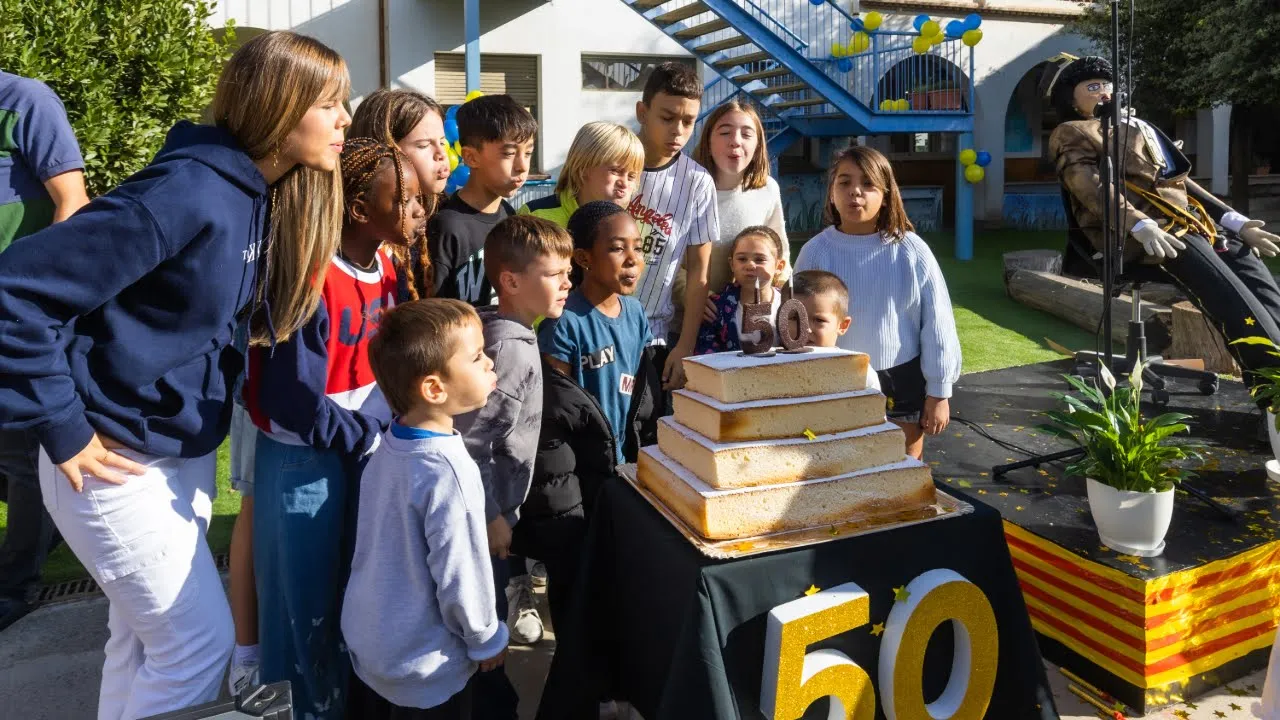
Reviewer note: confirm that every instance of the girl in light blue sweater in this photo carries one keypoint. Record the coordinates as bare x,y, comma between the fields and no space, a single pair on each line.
902,315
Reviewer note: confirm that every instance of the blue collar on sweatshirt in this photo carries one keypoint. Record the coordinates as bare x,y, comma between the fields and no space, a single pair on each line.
404,432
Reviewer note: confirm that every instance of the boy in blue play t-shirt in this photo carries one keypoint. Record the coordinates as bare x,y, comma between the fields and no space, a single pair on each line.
599,339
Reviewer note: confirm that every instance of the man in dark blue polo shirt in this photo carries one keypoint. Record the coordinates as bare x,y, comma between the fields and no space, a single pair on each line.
41,182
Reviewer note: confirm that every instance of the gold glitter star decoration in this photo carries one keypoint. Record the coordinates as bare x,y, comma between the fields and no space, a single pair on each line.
965,484
888,403
1219,713
877,629
1183,714
1238,692
1249,321
1235,707
900,593
1192,706
809,434
812,589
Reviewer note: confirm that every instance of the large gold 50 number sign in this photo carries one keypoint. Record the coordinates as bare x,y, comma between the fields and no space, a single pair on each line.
794,678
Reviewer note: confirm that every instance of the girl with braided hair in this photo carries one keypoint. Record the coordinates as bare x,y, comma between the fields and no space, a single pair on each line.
318,411
414,123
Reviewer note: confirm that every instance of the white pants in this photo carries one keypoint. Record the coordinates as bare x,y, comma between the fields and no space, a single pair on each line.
144,543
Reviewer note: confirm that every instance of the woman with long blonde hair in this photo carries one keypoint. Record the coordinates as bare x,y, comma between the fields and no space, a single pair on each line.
116,351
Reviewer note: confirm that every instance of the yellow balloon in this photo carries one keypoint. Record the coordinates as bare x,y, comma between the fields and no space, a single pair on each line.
837,50
974,173
968,156
473,95
453,161
872,20
859,43
457,148
971,37
929,29
901,105
921,45
886,105
938,39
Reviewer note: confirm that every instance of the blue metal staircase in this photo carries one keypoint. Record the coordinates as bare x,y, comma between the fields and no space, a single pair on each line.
778,54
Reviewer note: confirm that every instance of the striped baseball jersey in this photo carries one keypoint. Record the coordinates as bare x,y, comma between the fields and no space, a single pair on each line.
317,388
675,207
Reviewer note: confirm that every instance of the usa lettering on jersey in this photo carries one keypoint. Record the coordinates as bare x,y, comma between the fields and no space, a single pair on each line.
598,359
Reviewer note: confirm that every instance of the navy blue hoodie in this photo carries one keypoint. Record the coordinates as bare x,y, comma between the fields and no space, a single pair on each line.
120,318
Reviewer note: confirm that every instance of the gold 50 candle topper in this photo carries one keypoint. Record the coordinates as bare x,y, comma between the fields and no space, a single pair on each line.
794,678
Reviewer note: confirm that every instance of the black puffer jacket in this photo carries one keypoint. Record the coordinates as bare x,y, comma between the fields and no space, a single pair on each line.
576,448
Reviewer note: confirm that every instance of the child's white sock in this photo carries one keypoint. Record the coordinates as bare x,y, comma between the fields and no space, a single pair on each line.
246,655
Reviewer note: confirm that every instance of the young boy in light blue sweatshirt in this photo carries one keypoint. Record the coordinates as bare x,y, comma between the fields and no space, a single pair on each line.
421,529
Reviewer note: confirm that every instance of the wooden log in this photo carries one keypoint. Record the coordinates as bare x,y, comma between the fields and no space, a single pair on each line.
1194,336
1049,261
1080,303
1165,294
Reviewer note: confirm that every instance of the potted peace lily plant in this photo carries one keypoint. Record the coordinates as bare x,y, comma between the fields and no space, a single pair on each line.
1267,387
1128,461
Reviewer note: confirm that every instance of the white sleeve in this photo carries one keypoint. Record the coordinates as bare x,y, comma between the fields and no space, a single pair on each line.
940,356
704,224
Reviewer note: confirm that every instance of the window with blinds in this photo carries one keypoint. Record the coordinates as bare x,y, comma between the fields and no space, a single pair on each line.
514,75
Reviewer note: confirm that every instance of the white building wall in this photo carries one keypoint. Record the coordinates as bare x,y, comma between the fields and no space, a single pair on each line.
348,26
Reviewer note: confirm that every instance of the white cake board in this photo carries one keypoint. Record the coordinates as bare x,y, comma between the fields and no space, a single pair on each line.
946,506
1273,470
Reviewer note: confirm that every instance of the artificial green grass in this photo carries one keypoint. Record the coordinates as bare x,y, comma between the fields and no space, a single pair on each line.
995,332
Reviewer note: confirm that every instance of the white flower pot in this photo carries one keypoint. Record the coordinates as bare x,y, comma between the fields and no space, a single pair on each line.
1273,436
1133,523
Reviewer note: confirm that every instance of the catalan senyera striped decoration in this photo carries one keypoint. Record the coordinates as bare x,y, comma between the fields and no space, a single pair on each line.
1153,634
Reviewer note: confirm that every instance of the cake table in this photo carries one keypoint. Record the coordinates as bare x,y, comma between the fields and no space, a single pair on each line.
681,635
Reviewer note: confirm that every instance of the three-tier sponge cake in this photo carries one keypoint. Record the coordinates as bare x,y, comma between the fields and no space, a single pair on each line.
762,445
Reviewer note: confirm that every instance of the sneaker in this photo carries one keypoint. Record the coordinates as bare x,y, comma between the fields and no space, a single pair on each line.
538,572
522,614
242,677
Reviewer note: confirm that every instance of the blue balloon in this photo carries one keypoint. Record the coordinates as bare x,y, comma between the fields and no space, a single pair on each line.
920,21
451,129
844,64
984,158
459,175
972,21
857,25
816,2
451,113
955,29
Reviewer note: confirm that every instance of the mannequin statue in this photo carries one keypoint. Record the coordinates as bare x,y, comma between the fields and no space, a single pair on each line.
1207,249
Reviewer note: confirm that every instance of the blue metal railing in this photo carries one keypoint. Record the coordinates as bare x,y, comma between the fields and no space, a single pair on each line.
532,190
938,82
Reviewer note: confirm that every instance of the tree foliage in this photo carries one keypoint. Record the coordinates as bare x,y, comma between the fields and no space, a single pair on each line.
126,70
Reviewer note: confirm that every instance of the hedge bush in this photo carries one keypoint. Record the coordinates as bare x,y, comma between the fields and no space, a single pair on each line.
126,70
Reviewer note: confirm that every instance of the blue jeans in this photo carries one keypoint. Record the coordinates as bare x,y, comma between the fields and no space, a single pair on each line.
31,534
301,566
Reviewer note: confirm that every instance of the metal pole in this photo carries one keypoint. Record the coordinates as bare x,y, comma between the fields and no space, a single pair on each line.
964,203
471,30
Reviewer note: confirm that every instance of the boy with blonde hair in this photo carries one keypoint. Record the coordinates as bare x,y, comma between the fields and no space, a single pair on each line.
604,163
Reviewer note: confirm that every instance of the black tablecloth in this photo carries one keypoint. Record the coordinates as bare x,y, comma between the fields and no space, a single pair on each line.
681,636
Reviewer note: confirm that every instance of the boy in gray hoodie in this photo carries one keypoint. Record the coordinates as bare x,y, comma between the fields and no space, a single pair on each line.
527,261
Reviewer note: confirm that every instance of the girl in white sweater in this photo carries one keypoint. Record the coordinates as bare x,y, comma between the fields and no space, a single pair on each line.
732,149
898,300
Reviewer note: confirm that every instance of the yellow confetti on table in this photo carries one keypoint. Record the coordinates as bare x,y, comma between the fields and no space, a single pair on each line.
965,484
877,629
1018,507
982,492
1249,321
900,594
809,434
1235,707
812,589
1004,494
